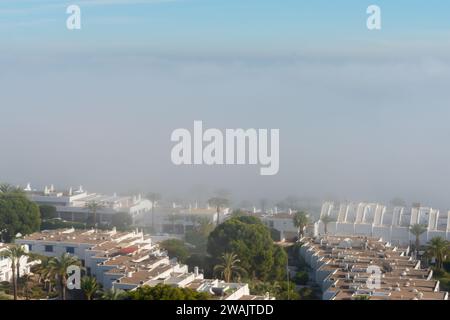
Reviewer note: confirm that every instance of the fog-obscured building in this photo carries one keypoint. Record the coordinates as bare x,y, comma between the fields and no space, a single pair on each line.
71,205
390,224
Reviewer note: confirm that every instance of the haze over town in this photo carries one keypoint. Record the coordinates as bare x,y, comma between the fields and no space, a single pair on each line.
361,116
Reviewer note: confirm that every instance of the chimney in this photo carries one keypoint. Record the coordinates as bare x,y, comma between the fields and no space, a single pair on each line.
196,271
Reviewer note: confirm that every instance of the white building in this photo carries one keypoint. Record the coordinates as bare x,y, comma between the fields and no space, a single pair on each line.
128,260
178,220
347,268
6,272
71,204
283,223
376,220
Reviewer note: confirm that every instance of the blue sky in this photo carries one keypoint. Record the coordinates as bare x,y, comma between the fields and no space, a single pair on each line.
231,25
363,115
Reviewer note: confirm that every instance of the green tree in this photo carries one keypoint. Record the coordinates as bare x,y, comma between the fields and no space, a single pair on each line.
229,268
166,292
176,248
438,248
89,286
301,278
198,236
280,258
113,294
6,188
326,220
203,226
250,240
59,268
300,222
281,290
204,262
46,273
47,211
417,230
122,221
17,215
218,203
307,293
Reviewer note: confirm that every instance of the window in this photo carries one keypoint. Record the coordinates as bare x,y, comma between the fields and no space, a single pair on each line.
30,247
70,250
48,248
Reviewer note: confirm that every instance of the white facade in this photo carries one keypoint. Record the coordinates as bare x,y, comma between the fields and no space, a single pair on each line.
282,222
177,220
128,260
71,205
376,220
6,272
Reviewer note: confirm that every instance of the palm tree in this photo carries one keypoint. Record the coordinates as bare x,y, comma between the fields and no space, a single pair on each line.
154,198
326,220
19,252
417,230
204,226
27,288
438,248
59,268
113,294
229,267
6,188
10,253
218,203
46,273
300,222
89,286
15,254
93,207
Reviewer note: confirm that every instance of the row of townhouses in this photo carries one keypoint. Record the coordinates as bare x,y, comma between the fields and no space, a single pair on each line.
348,268
376,220
367,219
128,260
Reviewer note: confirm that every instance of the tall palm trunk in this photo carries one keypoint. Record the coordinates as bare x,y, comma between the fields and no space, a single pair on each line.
62,283
14,279
153,217
48,285
218,215
417,245
18,270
